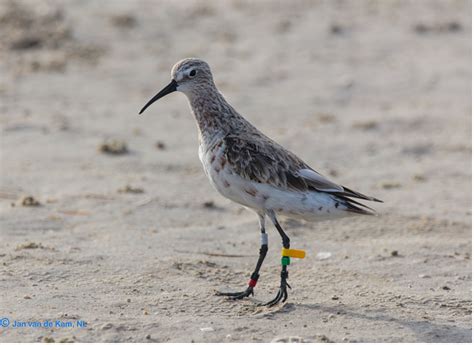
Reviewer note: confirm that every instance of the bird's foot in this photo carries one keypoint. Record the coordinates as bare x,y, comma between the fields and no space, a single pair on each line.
237,295
282,294
246,293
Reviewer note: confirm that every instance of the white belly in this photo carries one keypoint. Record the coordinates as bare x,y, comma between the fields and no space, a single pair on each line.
308,205
223,179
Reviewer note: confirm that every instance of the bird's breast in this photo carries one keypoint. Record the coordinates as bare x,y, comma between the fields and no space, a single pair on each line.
225,179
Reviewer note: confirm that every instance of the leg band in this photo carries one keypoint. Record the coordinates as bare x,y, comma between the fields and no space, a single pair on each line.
253,279
264,239
252,283
293,253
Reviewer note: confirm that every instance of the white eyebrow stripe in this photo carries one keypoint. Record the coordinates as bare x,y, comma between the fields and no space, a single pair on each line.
188,70
185,72
179,76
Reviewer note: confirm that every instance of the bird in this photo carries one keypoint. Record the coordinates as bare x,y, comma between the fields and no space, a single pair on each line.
249,168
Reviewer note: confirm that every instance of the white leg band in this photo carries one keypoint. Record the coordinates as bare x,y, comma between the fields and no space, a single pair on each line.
264,238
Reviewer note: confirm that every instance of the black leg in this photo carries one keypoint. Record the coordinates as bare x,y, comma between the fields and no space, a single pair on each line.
282,294
255,275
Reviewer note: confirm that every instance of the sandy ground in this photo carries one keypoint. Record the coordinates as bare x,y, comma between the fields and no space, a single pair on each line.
374,94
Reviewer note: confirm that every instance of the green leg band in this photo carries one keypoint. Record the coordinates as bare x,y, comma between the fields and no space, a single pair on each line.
285,260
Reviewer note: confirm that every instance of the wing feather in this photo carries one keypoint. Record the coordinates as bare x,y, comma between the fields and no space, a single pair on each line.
264,161
318,181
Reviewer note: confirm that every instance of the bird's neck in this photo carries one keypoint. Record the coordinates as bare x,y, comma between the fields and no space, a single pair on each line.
214,116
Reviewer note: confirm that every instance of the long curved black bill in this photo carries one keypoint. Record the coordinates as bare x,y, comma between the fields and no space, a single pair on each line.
171,87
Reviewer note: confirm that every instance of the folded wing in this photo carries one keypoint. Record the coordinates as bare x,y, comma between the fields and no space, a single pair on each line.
267,162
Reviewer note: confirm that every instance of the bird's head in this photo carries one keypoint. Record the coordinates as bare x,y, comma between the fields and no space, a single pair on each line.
189,76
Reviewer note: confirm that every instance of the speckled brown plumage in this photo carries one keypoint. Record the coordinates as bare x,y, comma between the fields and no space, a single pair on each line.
251,154
251,169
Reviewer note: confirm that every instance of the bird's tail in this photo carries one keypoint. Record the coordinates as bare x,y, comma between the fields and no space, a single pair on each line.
356,207
347,196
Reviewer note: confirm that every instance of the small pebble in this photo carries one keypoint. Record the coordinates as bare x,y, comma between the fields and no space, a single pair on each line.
390,185
207,329
160,145
107,326
131,190
289,339
365,125
394,253
321,338
323,255
29,201
29,245
125,21
208,204
326,118
423,28
336,29
419,178
113,147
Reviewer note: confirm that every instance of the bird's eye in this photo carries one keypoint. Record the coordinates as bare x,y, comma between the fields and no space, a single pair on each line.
192,73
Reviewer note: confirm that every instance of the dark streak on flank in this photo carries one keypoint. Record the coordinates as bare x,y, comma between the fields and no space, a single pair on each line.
223,161
251,192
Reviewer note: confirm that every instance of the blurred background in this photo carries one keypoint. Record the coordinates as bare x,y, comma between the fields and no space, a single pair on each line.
108,216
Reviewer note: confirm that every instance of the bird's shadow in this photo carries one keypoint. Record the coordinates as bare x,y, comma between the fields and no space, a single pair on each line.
424,330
